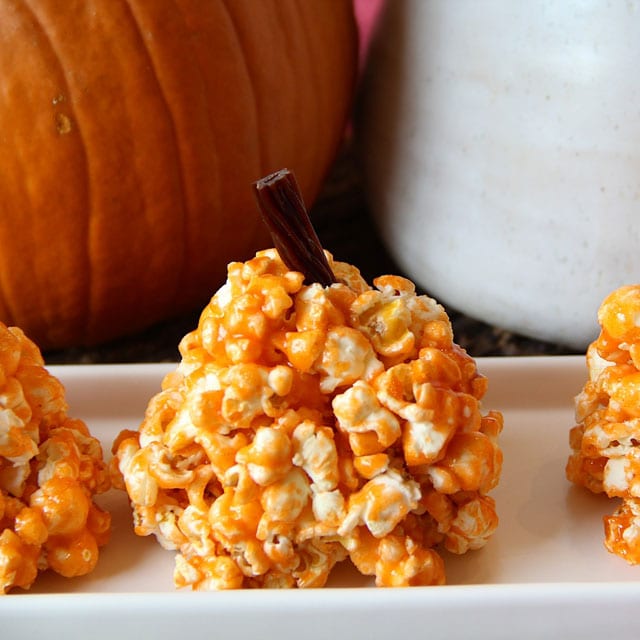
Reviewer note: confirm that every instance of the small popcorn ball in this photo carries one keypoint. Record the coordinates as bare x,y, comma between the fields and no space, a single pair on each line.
50,469
605,443
308,423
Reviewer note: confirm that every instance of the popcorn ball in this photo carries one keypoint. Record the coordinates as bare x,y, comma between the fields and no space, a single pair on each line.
50,469
308,424
605,443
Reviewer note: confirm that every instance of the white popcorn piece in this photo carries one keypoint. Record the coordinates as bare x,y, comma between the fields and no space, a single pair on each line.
381,504
315,452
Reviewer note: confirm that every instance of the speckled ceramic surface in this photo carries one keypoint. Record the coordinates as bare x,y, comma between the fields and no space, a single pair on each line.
501,145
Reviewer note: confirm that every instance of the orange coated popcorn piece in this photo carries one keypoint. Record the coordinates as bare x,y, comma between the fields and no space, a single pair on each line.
50,470
309,424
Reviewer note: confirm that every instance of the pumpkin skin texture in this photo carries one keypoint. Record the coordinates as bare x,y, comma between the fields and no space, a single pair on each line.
132,131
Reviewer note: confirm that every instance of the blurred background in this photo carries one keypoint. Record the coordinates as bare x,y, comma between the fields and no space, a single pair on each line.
344,225
343,219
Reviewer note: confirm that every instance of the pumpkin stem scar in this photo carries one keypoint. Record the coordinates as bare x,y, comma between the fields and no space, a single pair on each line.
283,211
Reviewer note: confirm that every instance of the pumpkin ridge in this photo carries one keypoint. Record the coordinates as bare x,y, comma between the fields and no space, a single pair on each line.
311,146
85,299
250,82
110,298
179,163
258,231
322,88
182,282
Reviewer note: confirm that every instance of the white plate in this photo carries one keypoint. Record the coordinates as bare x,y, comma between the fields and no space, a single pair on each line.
544,573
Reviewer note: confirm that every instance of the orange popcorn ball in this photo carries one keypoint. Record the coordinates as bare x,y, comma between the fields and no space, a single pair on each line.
307,424
50,469
605,443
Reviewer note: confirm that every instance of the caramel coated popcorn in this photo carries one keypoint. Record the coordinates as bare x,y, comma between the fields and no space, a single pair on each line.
605,442
50,469
309,424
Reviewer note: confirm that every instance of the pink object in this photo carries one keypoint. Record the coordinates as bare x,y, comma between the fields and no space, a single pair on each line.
366,12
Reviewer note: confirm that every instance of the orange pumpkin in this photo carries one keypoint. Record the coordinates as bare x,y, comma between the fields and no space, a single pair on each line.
131,133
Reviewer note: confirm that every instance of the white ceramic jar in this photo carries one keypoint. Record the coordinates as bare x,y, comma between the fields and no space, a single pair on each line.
500,143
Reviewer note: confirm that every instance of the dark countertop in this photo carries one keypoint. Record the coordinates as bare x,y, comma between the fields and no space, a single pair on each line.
345,228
